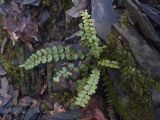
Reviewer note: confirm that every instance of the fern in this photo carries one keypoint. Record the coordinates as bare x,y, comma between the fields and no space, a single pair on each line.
89,89
108,63
65,72
90,60
88,35
55,53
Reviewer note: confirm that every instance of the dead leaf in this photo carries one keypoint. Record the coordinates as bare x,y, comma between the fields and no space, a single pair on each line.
98,115
33,111
94,110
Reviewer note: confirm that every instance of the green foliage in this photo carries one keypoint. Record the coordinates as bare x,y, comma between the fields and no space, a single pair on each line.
46,2
108,63
126,19
89,88
56,53
65,72
88,35
135,84
115,102
91,60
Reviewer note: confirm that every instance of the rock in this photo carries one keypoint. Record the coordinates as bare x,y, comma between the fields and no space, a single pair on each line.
156,97
151,12
17,110
57,32
32,112
69,115
15,7
114,75
4,86
37,3
32,2
7,117
144,23
3,111
2,6
158,114
104,16
78,6
26,101
6,100
2,71
45,15
146,56
15,96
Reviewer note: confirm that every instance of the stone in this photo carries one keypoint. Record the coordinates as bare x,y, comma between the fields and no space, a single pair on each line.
104,16
69,115
144,23
17,110
78,6
26,101
32,112
146,56
156,97
2,71
4,86
45,15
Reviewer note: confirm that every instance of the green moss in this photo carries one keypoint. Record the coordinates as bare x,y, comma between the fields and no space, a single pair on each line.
115,102
16,73
66,4
126,19
46,2
135,84
63,97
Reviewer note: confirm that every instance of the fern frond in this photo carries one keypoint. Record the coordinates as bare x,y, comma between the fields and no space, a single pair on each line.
65,72
88,35
89,88
109,93
55,53
108,63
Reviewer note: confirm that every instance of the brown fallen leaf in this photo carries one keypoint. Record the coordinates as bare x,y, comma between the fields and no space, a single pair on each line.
34,102
94,110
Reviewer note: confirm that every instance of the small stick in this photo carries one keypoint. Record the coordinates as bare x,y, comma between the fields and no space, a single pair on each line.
4,43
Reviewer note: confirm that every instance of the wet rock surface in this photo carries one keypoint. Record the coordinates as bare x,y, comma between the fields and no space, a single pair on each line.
70,115
104,16
146,55
2,71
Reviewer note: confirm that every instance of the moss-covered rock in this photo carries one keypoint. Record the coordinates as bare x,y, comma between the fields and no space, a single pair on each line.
135,84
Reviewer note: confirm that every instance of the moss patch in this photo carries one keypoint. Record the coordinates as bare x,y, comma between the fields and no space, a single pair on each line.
134,83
